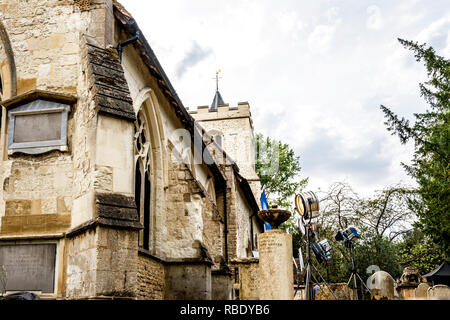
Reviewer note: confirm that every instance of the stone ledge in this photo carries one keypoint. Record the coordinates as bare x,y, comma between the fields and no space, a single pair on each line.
39,94
188,261
244,260
32,237
146,253
92,224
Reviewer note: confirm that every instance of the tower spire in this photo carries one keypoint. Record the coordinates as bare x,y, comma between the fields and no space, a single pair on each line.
217,79
217,97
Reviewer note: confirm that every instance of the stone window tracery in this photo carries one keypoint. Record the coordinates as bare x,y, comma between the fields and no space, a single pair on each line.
142,149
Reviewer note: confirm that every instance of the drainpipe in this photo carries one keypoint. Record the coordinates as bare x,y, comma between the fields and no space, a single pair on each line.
251,231
127,42
225,220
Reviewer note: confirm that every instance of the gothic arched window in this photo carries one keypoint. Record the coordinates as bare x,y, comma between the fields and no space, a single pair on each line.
142,189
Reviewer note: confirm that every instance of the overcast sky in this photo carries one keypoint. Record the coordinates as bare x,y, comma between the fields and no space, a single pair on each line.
314,72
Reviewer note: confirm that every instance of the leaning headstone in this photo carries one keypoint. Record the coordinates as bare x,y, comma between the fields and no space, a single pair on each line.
381,285
439,292
421,291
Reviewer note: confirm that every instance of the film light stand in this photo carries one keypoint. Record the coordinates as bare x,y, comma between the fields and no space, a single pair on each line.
309,295
355,274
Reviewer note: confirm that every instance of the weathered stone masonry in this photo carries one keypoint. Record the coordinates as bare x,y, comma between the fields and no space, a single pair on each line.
83,198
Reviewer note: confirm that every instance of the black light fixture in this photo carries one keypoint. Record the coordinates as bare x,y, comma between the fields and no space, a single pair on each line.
350,236
307,206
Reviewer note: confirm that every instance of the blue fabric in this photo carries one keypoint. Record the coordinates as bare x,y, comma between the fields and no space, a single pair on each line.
265,206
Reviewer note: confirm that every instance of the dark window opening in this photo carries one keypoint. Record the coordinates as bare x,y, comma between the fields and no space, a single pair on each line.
142,182
147,212
137,190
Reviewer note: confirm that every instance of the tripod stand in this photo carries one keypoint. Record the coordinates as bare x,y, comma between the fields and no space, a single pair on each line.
355,274
309,295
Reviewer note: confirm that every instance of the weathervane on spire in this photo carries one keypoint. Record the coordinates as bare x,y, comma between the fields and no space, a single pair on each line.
217,97
217,79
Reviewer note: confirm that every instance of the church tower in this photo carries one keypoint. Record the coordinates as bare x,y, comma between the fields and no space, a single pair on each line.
232,129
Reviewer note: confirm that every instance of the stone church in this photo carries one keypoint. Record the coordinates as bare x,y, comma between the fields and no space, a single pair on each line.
111,188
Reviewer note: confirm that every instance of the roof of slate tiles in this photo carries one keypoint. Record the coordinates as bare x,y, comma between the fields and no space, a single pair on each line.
111,88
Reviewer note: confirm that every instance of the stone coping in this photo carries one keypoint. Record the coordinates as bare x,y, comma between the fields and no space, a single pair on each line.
244,260
51,236
39,94
188,261
146,253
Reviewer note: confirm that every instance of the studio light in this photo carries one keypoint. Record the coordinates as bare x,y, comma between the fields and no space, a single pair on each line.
349,234
307,204
322,250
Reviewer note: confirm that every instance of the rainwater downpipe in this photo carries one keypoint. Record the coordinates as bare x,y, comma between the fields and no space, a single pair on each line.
127,42
251,230
225,220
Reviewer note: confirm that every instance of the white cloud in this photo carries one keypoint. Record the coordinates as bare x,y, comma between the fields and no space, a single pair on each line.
195,55
314,73
375,19
437,34
320,40
333,14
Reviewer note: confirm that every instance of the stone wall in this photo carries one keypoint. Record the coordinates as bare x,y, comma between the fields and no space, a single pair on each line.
81,253
239,227
192,218
188,281
244,237
102,262
221,285
55,193
37,195
150,278
232,211
48,46
248,278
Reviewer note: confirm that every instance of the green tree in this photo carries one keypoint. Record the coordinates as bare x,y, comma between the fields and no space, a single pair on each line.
417,250
278,168
431,136
382,220
387,215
